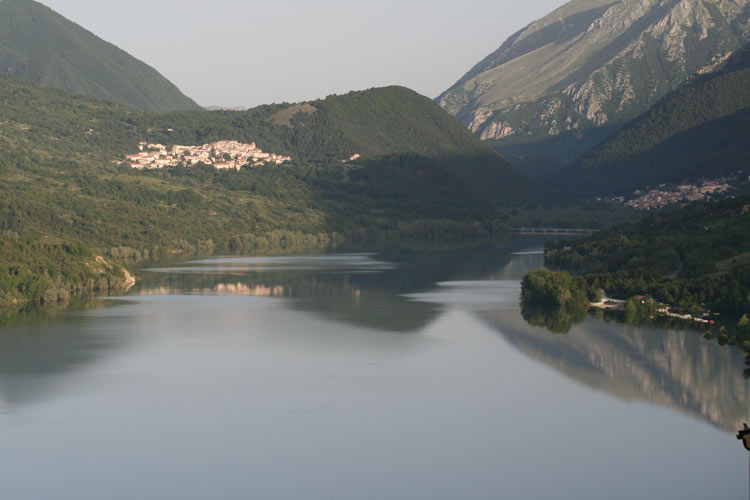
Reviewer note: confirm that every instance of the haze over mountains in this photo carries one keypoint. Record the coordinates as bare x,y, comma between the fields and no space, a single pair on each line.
565,82
39,45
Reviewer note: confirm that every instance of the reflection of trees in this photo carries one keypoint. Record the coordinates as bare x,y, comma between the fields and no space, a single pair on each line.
44,344
562,319
41,345
369,299
349,297
35,315
555,319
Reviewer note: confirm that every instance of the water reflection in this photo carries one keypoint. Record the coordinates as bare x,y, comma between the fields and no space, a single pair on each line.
357,289
474,295
396,292
555,319
363,289
40,347
317,377
354,263
673,368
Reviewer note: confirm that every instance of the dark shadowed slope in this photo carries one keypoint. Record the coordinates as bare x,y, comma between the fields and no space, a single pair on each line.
698,131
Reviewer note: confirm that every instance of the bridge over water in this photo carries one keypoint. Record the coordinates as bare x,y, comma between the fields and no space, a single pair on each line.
553,230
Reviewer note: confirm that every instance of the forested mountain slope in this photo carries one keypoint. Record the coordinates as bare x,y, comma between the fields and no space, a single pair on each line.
421,176
369,123
57,146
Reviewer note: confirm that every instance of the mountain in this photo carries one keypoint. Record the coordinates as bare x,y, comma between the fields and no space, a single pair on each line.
420,177
41,46
374,124
58,146
697,131
568,80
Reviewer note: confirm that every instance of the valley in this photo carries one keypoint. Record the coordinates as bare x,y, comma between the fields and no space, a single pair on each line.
374,294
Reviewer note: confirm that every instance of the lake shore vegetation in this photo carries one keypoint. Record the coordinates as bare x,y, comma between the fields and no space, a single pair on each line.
691,264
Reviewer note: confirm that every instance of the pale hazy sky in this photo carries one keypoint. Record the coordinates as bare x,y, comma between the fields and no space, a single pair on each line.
245,53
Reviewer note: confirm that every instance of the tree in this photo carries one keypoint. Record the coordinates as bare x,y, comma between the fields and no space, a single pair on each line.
557,288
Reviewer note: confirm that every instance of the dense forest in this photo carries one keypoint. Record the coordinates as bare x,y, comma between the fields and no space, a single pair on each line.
695,259
555,299
50,271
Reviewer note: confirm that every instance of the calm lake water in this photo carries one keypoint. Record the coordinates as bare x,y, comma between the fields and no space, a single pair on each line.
360,376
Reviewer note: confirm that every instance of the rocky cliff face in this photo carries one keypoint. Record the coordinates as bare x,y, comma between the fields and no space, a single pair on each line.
594,63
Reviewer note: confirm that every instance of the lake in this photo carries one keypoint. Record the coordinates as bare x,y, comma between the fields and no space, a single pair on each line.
393,375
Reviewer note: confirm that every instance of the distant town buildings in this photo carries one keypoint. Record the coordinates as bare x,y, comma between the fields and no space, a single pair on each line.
668,195
657,198
220,155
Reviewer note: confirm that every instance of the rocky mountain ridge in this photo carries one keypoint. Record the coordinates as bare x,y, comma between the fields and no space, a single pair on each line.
594,64
696,132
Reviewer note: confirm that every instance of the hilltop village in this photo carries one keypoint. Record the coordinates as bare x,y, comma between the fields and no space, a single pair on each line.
220,155
668,195
658,198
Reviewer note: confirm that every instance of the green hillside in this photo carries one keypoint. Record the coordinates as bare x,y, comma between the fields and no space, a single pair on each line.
64,146
419,177
41,46
369,123
697,131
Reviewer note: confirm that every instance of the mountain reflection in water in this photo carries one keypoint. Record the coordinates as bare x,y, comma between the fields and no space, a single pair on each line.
678,369
402,291
673,368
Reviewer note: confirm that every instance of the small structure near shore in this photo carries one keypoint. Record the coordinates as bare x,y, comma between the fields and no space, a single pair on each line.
609,304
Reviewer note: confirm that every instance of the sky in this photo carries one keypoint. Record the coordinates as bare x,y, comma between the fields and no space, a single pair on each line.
245,53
